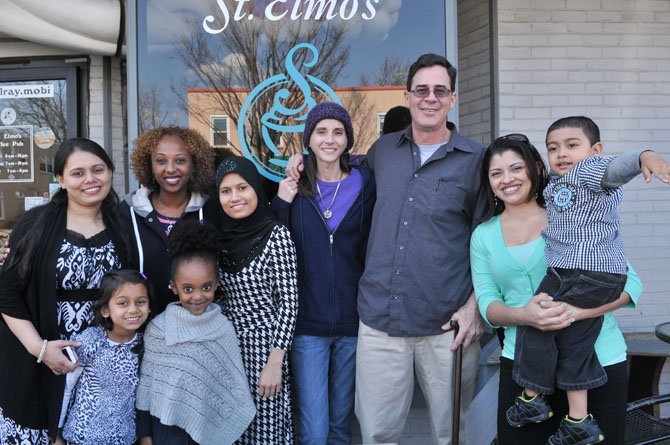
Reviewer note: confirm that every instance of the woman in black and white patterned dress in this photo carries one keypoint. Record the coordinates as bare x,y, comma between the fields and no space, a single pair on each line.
60,251
260,297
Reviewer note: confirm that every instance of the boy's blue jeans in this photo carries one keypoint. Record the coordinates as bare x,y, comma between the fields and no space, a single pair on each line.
566,359
323,372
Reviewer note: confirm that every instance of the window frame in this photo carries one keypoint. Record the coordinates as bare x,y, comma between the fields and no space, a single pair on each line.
214,132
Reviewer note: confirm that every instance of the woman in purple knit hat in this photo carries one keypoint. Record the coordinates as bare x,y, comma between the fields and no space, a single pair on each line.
328,211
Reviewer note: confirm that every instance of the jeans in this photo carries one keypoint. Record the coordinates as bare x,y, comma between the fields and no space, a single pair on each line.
566,359
324,370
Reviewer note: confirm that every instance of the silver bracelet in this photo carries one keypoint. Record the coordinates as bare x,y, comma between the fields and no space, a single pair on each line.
42,351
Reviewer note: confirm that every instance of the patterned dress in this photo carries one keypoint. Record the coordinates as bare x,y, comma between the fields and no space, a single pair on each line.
261,300
103,404
81,264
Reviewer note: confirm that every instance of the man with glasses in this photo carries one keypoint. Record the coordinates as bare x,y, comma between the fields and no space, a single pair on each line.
417,266
417,272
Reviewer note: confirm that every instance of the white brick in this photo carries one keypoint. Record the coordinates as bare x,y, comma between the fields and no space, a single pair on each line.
586,76
568,40
591,28
546,101
582,5
548,28
550,5
653,5
638,16
604,16
621,76
636,39
568,16
585,53
533,16
544,52
585,100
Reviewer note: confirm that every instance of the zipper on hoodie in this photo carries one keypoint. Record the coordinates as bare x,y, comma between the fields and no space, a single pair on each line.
331,239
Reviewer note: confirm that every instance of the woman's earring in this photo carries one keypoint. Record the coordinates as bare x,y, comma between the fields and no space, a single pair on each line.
495,201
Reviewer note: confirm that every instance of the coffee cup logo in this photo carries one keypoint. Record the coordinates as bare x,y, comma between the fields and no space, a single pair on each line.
281,118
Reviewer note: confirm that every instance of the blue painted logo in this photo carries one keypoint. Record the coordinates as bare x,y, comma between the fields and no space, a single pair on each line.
563,197
279,114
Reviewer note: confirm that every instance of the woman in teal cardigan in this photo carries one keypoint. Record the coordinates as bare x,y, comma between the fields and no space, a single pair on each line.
508,263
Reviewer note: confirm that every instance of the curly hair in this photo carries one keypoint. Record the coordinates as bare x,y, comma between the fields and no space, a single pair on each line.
202,153
190,239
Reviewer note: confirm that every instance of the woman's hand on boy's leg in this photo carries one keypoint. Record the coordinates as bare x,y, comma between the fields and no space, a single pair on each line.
652,163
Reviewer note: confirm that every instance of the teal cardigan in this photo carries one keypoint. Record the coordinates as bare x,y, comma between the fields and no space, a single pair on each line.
497,276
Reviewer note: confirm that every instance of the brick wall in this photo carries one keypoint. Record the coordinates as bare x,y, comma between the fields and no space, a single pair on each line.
609,60
474,68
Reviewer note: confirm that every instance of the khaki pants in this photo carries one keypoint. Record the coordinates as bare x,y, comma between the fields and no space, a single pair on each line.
385,368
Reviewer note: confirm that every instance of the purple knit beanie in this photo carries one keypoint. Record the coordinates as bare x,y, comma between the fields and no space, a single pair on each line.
328,110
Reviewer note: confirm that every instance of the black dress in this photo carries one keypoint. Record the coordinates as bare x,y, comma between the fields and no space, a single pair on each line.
80,265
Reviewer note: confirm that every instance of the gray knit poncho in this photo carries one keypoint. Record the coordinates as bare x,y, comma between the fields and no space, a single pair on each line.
192,375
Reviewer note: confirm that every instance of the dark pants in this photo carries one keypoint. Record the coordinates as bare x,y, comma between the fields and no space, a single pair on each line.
565,359
607,404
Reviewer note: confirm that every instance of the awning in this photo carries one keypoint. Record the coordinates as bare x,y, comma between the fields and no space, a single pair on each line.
76,26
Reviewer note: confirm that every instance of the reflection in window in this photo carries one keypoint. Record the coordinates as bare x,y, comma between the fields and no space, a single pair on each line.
219,131
2,205
380,123
47,164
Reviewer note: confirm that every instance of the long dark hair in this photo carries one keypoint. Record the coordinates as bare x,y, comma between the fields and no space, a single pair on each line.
537,172
307,182
26,248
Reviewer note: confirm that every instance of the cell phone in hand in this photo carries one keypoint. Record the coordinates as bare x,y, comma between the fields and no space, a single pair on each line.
70,353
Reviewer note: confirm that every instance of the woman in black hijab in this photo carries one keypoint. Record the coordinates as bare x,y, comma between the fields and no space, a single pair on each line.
260,297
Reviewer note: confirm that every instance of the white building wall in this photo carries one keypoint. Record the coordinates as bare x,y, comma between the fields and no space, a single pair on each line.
609,60
96,123
474,69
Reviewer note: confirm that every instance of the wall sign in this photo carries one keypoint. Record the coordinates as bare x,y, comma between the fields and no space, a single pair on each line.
16,154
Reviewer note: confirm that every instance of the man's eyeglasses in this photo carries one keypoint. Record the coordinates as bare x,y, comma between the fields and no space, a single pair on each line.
439,92
518,137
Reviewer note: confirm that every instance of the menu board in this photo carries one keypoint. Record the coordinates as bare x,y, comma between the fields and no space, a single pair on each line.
16,154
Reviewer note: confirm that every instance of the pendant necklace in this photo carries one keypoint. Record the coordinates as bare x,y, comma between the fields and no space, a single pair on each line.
327,213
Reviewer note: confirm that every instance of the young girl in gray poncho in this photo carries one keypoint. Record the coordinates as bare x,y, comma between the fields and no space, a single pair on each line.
193,388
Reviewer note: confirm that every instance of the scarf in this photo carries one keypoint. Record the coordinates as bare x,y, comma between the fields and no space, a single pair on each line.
244,239
192,375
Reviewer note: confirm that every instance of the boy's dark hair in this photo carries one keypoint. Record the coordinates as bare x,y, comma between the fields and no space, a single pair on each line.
428,60
587,125
109,284
190,239
537,172
396,119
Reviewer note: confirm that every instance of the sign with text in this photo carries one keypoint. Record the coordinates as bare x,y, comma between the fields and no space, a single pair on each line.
16,154
26,91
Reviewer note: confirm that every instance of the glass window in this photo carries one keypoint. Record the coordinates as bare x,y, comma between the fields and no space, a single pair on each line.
264,64
2,205
33,123
380,123
219,131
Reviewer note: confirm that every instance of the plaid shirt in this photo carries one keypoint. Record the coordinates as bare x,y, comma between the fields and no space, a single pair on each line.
583,229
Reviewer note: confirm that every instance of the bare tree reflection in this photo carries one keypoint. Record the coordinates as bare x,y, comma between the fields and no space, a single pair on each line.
153,109
233,64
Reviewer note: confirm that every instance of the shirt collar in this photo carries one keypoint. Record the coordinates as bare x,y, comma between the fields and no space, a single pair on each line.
457,140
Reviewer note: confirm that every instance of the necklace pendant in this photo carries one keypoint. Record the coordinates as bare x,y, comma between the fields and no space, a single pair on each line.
327,213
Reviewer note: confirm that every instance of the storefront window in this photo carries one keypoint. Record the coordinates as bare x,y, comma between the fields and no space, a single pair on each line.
263,64
32,125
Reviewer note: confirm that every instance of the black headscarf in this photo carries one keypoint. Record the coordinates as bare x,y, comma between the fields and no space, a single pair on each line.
245,238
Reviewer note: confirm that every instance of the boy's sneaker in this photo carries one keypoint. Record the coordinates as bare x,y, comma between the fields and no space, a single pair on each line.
525,411
584,432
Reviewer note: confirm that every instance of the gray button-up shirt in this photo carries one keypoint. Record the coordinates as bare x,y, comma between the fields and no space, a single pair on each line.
417,268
